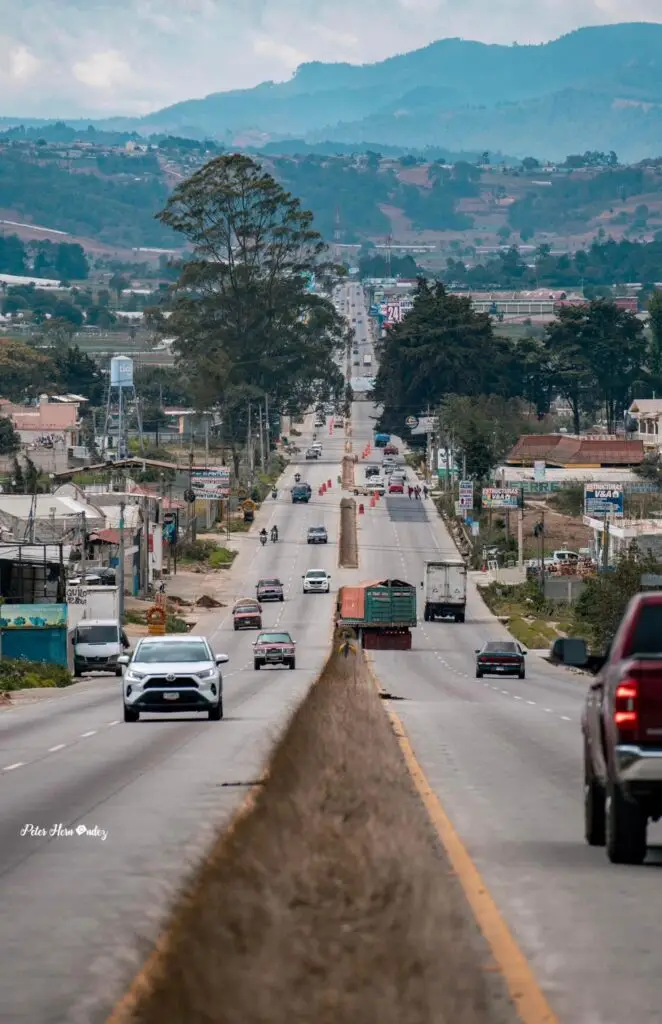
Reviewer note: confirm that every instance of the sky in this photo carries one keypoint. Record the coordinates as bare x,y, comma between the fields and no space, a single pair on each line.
89,58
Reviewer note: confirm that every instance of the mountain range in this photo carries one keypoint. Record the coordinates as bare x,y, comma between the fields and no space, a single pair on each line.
597,88
593,89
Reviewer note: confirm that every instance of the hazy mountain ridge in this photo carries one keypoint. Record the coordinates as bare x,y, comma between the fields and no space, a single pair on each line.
462,95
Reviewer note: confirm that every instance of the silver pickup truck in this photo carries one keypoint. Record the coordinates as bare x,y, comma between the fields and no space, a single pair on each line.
270,590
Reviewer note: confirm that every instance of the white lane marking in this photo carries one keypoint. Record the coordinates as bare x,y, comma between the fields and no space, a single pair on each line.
549,711
566,719
531,702
518,698
11,767
84,735
59,746
116,722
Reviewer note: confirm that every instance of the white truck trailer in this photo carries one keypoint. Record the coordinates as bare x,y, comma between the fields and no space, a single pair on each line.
445,589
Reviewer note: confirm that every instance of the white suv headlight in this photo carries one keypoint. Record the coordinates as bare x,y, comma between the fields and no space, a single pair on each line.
132,676
207,673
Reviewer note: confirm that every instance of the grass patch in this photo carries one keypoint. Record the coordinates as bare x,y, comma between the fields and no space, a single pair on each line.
529,616
329,900
17,674
205,552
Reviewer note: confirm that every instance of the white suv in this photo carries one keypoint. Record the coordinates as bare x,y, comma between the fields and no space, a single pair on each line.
173,674
316,581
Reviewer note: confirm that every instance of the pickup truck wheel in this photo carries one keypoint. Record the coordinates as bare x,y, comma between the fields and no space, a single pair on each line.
426,615
256,666
215,714
293,663
77,673
236,627
282,597
594,806
521,674
118,672
460,617
626,826
479,674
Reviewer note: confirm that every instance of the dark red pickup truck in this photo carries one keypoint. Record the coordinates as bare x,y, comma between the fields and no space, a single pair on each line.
622,731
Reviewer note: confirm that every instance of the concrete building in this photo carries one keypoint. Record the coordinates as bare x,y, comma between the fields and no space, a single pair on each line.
58,420
647,416
622,533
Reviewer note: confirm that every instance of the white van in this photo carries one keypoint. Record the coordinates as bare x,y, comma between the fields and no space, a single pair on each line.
98,643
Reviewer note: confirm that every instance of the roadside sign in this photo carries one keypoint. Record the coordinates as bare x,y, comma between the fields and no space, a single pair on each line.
211,484
460,509
500,497
170,526
412,422
603,500
467,493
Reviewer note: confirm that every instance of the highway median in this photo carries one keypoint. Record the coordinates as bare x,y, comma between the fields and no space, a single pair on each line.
348,544
329,899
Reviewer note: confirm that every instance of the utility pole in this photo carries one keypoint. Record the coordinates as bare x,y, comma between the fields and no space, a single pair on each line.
268,428
120,567
539,532
520,530
83,551
605,544
259,409
144,550
249,442
191,504
206,441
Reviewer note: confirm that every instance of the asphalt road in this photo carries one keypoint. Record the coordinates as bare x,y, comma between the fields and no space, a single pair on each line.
77,913
504,756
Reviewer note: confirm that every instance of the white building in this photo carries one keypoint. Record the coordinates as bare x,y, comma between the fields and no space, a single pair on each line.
647,414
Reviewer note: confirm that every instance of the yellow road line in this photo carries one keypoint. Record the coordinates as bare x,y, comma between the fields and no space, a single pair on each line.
530,1001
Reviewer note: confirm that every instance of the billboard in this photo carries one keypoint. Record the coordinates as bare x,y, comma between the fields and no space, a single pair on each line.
29,616
603,500
211,484
500,497
466,493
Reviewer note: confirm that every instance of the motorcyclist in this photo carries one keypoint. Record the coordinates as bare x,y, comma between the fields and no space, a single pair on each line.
274,534
263,536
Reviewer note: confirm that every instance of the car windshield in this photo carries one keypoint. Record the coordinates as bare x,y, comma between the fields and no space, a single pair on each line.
269,583
316,574
241,609
317,529
501,648
96,634
153,652
274,638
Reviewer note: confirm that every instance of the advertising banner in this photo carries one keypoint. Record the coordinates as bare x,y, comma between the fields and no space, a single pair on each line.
500,497
211,484
603,500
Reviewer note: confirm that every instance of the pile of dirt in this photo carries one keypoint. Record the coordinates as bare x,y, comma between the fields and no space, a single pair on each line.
348,545
208,602
329,901
348,464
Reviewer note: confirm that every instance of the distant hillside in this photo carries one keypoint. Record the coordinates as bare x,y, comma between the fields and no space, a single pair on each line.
597,88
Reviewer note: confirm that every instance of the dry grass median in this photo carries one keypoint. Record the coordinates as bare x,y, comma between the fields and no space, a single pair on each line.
329,901
348,544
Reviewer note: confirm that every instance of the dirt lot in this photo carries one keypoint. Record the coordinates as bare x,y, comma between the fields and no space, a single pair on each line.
561,531
329,901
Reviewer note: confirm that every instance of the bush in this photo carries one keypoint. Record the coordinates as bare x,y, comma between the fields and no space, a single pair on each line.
221,557
18,674
196,551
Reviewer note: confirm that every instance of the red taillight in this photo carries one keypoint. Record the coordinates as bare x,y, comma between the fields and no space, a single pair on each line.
626,714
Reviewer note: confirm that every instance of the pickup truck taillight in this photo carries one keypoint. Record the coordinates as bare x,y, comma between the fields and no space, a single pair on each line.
626,710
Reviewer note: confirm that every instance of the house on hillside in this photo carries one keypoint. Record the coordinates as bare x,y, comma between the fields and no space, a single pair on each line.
56,420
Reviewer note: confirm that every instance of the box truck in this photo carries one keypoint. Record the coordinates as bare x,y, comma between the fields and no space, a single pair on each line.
445,589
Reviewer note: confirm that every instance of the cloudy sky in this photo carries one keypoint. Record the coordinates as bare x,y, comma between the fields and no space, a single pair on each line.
96,57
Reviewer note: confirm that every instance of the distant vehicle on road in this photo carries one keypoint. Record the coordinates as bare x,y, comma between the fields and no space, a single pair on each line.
274,649
381,440
269,590
317,535
622,731
173,674
247,614
382,614
445,589
371,471
316,581
500,657
312,453
301,493
396,486
391,449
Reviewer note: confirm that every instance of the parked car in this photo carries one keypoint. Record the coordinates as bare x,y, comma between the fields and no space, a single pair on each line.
500,657
274,649
173,674
269,590
317,535
622,731
316,581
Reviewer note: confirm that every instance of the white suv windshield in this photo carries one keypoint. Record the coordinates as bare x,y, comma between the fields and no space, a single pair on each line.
316,575
153,653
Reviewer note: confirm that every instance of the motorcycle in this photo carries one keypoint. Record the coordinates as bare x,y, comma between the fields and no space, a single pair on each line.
274,493
274,536
263,539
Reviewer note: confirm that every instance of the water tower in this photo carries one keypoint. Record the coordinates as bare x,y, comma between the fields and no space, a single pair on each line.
122,407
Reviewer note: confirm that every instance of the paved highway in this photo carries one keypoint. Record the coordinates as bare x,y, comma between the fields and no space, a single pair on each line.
504,757
71,908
